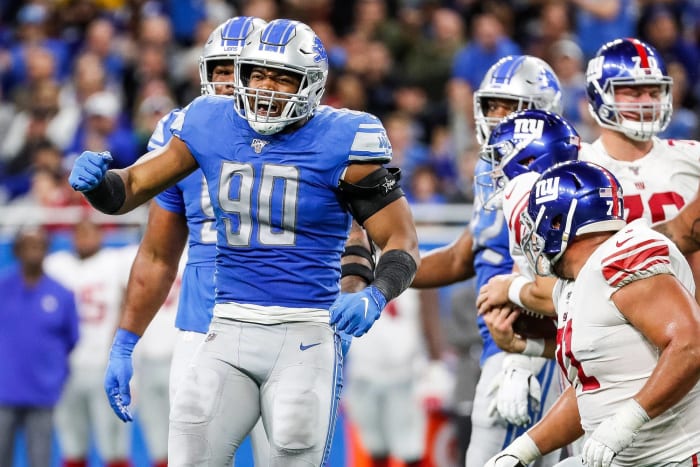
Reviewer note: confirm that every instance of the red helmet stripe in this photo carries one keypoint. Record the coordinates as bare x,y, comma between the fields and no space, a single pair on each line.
616,211
642,52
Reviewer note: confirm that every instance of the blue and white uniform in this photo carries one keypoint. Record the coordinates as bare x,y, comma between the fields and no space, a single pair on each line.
281,231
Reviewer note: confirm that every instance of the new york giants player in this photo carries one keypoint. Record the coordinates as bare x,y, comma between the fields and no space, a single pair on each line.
283,175
82,409
514,83
520,148
633,371
629,95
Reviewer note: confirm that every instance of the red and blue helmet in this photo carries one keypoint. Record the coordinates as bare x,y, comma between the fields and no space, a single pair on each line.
526,141
570,199
629,62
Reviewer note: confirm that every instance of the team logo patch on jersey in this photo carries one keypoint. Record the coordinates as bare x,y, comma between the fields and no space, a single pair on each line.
258,145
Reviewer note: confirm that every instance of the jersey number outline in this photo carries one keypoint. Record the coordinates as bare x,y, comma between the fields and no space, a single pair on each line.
564,349
634,205
207,233
241,206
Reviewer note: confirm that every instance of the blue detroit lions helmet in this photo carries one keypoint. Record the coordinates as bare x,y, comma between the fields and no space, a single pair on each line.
525,141
291,46
570,199
225,44
525,79
628,62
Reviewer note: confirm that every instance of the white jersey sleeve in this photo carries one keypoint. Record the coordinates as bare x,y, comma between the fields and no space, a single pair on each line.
659,184
515,200
606,359
98,283
372,358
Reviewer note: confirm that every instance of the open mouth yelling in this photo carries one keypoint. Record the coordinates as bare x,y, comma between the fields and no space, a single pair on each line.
267,108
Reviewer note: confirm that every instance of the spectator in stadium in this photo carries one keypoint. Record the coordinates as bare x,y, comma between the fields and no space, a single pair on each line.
39,330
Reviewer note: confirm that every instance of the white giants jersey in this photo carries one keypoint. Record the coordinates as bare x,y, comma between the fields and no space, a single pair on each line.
515,199
393,346
607,360
98,283
657,185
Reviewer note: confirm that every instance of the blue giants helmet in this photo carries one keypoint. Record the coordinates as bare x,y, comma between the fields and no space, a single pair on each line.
287,45
525,141
628,62
570,199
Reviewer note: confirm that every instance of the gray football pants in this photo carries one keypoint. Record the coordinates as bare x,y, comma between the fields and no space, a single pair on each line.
290,374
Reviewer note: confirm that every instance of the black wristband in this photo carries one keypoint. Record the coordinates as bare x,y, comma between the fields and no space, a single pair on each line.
358,250
394,274
355,269
109,195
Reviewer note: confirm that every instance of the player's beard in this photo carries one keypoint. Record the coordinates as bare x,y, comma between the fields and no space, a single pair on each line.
558,270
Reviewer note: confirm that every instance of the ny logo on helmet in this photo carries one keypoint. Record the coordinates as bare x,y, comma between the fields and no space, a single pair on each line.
546,190
529,127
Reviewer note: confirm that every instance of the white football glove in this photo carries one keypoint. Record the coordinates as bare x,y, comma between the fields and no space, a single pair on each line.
614,434
435,386
519,453
516,390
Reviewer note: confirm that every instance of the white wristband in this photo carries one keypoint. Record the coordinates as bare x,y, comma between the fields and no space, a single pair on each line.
632,415
524,448
533,347
516,285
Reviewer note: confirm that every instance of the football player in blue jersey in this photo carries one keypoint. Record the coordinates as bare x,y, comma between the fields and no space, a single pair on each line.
514,83
181,215
285,176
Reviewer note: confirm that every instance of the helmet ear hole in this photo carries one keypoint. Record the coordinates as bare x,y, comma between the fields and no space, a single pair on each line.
556,222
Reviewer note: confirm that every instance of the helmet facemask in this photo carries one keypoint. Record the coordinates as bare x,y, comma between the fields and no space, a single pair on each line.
653,117
287,47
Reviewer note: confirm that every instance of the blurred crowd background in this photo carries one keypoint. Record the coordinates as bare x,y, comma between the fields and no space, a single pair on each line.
98,75
82,74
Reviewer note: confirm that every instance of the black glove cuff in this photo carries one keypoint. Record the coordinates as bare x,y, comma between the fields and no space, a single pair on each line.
394,274
109,195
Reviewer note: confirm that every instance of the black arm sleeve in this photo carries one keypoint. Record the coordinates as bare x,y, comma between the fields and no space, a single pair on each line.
109,195
394,274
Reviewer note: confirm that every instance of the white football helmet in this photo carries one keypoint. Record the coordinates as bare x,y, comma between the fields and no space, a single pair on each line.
225,43
523,78
291,46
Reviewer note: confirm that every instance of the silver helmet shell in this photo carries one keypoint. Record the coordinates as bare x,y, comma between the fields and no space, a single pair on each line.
225,44
286,45
528,80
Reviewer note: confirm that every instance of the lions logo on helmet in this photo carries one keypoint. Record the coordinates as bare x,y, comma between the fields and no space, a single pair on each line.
287,45
225,44
525,141
526,80
570,199
629,62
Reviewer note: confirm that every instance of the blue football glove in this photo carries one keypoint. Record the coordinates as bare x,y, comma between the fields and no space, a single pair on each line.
355,313
119,373
89,169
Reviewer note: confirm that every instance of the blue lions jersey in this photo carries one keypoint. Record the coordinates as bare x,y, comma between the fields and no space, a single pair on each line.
190,198
491,253
281,226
